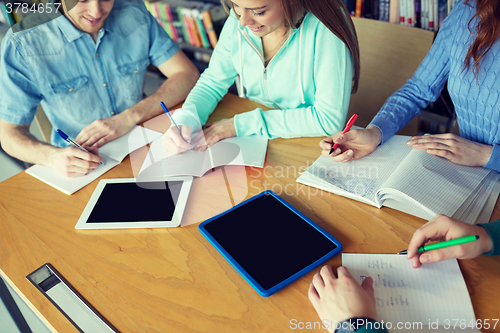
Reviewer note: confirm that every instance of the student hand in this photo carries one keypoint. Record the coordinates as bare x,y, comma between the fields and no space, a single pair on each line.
104,130
73,162
172,141
442,228
352,145
217,131
342,298
454,148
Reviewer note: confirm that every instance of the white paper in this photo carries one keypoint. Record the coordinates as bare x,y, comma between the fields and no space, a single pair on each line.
249,151
434,293
112,154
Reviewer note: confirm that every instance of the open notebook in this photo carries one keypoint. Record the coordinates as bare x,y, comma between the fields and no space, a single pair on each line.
112,154
246,150
434,295
409,180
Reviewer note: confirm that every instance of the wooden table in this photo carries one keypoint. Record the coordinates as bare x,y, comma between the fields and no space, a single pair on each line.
173,280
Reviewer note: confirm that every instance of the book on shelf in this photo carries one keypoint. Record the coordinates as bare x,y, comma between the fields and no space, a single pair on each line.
351,6
398,176
193,22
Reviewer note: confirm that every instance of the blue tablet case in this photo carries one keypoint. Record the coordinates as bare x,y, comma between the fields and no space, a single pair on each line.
269,242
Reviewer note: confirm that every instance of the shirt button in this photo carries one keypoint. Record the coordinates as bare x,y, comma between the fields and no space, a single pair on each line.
97,54
113,113
105,84
70,89
137,71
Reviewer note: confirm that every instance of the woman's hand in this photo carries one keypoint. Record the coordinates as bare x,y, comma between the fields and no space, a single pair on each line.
352,145
454,148
215,132
175,142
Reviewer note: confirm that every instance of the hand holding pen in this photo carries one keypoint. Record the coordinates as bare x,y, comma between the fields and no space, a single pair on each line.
72,162
456,240
69,140
176,141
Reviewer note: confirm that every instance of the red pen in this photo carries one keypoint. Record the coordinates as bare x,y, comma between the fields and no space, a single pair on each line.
347,128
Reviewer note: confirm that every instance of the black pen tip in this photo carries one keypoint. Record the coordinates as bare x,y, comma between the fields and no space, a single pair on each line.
403,252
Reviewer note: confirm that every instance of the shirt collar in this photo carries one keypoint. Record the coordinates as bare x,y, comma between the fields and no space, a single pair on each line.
68,29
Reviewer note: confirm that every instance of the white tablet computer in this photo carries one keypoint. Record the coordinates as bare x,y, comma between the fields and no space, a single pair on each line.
127,203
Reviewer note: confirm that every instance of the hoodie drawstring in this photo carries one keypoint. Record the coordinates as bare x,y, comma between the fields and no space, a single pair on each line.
241,93
300,66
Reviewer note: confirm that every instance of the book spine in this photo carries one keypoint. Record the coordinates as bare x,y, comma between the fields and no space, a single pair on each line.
359,4
207,22
410,13
394,11
156,11
376,9
402,12
367,10
434,9
183,25
200,28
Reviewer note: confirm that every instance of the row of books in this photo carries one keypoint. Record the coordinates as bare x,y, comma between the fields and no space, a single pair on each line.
192,22
426,14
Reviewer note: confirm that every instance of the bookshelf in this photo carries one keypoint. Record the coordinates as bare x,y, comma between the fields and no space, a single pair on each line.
194,25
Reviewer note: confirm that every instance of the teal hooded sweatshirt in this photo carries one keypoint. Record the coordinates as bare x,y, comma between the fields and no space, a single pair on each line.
307,83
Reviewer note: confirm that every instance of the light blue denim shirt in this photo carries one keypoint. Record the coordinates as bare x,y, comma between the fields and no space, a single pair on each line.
75,79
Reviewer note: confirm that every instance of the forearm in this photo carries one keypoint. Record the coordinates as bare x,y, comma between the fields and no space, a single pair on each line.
21,144
290,123
172,92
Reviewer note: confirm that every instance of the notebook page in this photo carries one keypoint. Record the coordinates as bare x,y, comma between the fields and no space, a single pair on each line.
138,137
433,293
250,150
435,182
365,176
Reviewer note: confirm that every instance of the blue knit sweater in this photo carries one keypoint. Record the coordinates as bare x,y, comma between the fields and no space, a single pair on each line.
477,104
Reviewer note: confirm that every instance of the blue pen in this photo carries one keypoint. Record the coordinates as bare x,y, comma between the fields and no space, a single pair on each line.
173,121
66,138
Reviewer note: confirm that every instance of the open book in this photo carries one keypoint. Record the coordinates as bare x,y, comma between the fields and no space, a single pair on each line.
246,150
112,154
400,177
433,298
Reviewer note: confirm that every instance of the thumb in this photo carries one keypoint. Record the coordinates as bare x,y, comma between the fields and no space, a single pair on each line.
367,286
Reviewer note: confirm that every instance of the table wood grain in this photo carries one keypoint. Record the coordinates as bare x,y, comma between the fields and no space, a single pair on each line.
173,280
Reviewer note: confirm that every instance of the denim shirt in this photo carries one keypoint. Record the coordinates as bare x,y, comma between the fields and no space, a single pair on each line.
75,79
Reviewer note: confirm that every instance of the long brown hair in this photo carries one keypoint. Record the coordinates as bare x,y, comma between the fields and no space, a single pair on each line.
486,34
333,14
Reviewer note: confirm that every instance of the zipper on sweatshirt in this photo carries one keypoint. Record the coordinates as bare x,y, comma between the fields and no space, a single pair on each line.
261,56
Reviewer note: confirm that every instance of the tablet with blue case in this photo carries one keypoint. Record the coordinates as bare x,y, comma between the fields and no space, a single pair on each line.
269,242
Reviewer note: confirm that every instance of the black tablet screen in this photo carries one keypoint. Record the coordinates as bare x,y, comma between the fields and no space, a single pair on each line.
268,240
133,202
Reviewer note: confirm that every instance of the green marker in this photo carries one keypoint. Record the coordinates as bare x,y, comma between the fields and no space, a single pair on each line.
447,243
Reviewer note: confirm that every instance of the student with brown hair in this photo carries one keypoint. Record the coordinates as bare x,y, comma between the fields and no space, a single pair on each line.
300,58
466,55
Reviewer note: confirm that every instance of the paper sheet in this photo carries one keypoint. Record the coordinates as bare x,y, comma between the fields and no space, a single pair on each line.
250,151
112,153
434,293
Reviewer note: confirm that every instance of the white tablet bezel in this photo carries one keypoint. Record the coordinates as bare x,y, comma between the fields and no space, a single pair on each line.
176,218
